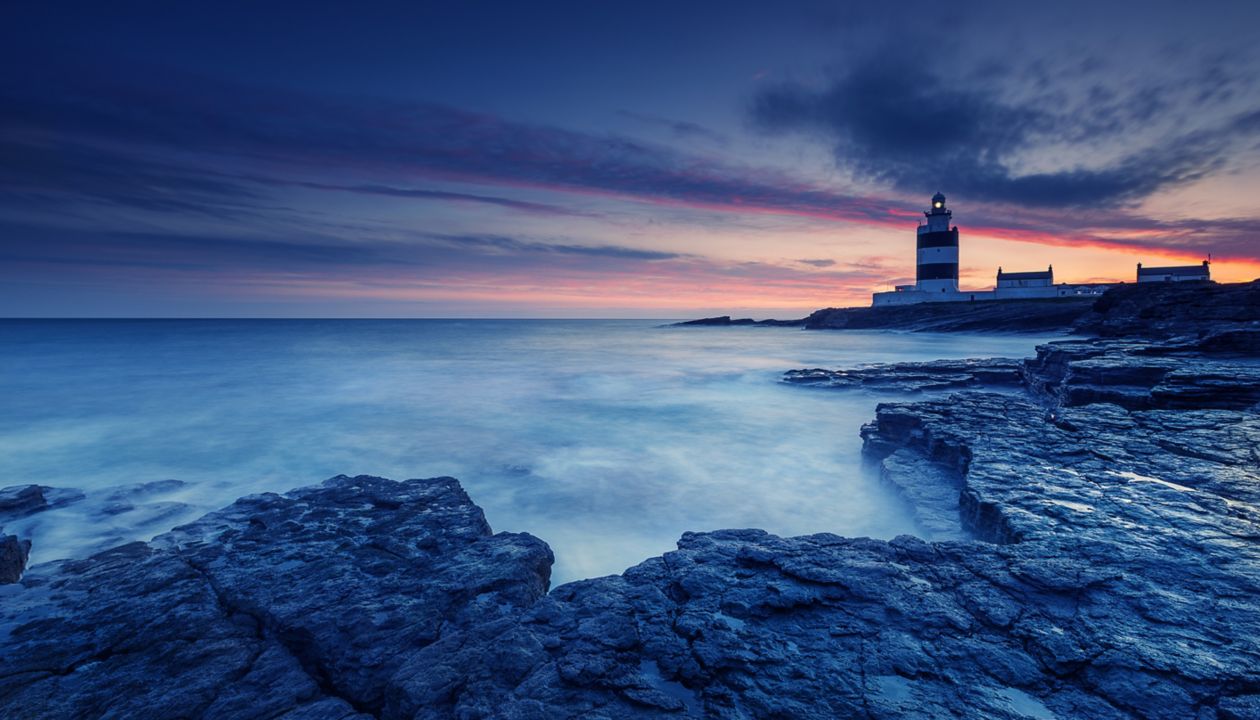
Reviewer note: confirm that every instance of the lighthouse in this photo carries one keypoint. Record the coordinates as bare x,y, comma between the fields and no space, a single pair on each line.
937,269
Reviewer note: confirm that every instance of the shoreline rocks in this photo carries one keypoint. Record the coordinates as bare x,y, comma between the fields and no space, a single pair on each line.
1090,560
726,321
1230,311
915,377
1091,523
305,604
1010,316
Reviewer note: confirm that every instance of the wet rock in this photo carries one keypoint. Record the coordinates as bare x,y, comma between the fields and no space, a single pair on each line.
126,493
915,376
1129,374
21,500
726,321
305,603
13,555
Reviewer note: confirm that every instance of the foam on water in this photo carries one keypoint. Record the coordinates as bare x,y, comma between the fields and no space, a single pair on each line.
607,439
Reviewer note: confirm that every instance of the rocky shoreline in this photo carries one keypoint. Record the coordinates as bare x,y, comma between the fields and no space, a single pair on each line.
1137,310
1007,316
1090,548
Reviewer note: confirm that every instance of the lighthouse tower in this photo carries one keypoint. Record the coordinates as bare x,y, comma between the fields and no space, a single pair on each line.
937,269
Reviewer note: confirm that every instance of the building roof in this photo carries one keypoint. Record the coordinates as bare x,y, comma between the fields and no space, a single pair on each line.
1175,270
1035,275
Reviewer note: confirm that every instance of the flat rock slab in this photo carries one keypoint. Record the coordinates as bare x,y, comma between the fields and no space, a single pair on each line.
915,377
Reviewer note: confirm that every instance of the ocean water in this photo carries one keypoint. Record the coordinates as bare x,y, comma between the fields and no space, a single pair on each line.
607,439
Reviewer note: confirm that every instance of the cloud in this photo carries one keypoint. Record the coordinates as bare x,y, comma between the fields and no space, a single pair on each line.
897,123
502,243
191,146
45,171
424,267
421,194
376,146
818,263
203,252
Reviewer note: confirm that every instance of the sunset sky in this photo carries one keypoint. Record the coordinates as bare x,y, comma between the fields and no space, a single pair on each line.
608,159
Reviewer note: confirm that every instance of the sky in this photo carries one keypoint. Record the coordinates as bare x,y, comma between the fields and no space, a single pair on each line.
608,159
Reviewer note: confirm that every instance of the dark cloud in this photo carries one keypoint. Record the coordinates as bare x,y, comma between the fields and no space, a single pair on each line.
818,263
188,145
371,145
900,124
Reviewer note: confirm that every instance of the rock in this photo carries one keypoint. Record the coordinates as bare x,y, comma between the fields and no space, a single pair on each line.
126,493
1118,584
305,603
13,555
1041,315
1131,375
933,492
1229,312
726,321
1095,554
915,376
21,500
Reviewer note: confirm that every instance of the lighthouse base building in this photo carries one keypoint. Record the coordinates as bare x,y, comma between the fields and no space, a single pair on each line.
936,271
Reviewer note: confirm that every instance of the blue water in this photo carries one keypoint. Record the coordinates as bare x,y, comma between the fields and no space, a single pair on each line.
607,439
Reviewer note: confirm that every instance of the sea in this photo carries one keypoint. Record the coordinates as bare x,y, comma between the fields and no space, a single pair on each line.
607,439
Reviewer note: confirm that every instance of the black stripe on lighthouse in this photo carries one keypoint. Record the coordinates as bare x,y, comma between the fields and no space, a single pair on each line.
940,238
937,271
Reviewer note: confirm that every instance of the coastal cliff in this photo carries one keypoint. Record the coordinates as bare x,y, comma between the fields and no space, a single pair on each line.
986,316
1089,548
1135,310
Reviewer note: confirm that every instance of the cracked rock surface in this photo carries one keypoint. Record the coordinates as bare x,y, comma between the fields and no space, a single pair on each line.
303,605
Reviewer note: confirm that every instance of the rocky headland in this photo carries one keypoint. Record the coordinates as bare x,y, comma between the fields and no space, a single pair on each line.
1044,315
1144,310
1089,548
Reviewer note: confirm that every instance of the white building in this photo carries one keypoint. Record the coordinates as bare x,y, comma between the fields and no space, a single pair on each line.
1038,278
1181,273
936,271
1037,283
